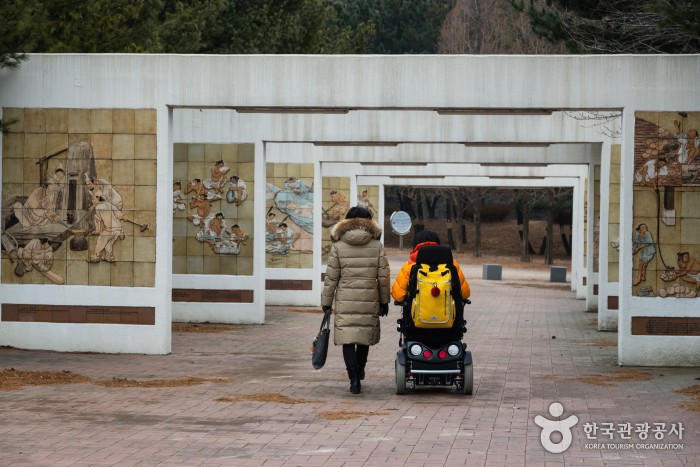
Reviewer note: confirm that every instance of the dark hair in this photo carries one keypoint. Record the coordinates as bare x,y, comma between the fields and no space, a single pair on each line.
358,212
426,236
283,224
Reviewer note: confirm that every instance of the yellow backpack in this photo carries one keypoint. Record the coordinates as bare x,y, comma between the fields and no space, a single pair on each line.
433,306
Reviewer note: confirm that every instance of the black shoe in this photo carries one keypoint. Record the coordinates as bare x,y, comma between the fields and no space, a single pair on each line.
362,372
354,375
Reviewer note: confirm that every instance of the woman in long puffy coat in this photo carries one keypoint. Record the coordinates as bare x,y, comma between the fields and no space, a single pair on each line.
357,278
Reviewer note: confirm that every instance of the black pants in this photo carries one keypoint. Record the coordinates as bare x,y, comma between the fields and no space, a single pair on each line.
355,355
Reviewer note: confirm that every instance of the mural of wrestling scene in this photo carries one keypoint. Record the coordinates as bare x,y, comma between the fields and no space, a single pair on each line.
213,208
666,237
79,196
336,203
289,221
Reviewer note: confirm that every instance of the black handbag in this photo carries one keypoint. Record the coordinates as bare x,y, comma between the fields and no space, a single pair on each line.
319,348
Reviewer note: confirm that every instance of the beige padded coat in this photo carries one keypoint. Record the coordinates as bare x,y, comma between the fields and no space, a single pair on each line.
358,279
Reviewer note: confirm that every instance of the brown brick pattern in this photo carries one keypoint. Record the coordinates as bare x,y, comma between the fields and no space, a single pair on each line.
79,314
212,296
663,326
285,284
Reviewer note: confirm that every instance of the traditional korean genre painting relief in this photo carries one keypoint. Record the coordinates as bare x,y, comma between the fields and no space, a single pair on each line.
79,196
213,208
666,205
336,202
289,215
368,198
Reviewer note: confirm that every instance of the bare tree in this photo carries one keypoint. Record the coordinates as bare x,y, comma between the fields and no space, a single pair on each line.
474,197
555,197
647,27
490,27
525,200
609,123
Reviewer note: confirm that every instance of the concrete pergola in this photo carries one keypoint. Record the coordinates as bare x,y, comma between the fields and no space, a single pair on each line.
474,120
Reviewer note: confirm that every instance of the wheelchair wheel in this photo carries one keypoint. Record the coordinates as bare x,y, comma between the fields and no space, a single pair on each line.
468,385
400,378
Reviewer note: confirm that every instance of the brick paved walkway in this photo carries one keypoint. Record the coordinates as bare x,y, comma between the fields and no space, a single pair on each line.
531,341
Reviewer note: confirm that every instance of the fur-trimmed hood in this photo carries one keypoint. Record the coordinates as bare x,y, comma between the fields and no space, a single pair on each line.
357,231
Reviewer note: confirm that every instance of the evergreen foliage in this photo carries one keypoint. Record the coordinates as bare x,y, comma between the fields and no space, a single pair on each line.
179,26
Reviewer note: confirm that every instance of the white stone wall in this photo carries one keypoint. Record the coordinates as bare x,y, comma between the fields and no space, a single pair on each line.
433,105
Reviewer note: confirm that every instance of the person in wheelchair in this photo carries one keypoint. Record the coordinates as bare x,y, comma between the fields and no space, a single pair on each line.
432,290
423,238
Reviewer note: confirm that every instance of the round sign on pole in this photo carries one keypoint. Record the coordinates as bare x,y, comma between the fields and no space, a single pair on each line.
400,224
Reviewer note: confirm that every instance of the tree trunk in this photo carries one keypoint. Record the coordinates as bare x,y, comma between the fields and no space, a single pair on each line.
432,202
548,253
525,255
450,236
526,237
420,224
477,230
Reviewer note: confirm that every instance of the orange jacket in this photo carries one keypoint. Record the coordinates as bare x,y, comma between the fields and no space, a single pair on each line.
399,289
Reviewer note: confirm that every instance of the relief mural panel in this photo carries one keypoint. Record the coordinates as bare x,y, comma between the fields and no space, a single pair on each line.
666,205
368,198
336,202
79,197
213,208
289,217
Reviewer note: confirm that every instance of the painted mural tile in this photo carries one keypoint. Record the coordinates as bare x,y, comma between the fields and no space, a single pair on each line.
101,120
15,117
289,215
666,205
34,120
368,198
79,121
65,220
123,121
57,121
145,121
145,147
212,210
335,205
